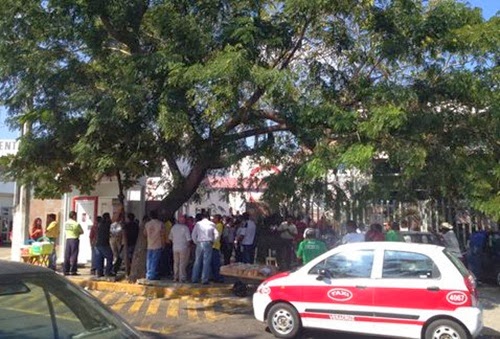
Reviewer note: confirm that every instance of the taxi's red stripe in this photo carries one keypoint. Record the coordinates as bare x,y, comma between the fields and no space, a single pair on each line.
390,320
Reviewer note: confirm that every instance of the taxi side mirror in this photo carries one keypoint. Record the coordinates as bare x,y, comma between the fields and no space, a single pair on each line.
324,274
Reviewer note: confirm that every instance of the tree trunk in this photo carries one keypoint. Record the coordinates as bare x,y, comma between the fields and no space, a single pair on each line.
179,194
138,267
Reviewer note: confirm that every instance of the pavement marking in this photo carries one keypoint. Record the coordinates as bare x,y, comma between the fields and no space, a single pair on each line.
192,309
108,297
173,308
136,305
153,307
122,301
209,304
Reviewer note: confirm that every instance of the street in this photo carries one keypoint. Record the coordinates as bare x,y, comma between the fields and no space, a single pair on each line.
187,316
231,317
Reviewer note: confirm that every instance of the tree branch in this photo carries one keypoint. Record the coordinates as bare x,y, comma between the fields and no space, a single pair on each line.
231,123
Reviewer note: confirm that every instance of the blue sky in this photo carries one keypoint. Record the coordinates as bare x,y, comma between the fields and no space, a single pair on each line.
489,7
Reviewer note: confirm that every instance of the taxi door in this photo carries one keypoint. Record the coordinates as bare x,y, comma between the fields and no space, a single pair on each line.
408,289
338,292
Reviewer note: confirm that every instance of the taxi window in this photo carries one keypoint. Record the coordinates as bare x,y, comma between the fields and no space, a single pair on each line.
408,265
349,264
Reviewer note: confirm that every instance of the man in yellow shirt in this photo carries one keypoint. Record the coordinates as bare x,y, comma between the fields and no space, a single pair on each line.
52,232
216,249
73,231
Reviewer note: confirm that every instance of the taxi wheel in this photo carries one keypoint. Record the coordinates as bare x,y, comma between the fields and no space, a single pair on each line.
445,329
283,321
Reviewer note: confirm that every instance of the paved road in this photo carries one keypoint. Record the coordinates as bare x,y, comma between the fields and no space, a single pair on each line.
231,317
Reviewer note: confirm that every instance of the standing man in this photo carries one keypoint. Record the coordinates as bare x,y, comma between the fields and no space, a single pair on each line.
103,247
216,249
450,238
131,233
288,232
52,232
204,235
73,231
352,235
249,238
156,239
310,247
392,233
181,238
116,241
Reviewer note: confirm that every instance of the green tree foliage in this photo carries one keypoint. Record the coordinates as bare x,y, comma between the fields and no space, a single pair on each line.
112,86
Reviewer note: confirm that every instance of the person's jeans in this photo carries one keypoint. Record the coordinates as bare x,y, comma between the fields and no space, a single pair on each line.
153,263
166,261
227,252
216,266
248,253
71,256
93,260
53,256
203,258
103,253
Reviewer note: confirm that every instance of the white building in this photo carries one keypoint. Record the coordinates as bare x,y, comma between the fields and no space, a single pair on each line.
7,189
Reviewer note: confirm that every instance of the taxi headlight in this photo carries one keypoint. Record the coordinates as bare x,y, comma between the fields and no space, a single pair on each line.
263,289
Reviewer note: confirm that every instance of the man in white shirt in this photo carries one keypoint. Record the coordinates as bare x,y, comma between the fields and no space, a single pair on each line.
352,234
204,234
180,237
247,238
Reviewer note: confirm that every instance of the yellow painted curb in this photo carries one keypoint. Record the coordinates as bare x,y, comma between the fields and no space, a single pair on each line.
167,292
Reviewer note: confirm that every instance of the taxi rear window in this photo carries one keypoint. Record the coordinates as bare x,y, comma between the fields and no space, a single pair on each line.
457,263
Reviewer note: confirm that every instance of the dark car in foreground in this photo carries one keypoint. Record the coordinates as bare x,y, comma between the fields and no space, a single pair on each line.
36,302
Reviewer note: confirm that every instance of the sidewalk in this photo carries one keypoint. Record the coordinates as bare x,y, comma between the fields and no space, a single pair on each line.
165,289
5,252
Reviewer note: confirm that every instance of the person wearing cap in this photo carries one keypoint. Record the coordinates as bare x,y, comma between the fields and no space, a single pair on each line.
450,238
310,247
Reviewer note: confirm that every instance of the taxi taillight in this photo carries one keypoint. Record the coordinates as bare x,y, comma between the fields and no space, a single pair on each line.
470,283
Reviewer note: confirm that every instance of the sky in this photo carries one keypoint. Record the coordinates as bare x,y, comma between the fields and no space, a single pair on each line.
489,7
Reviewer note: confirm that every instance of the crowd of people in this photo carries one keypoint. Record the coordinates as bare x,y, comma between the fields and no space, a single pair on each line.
194,248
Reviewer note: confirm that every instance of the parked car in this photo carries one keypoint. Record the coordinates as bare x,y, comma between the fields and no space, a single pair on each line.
392,289
36,302
435,239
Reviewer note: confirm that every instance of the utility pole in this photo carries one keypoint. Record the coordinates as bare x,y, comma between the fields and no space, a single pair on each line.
20,222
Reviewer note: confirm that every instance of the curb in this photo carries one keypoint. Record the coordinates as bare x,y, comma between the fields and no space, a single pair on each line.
170,291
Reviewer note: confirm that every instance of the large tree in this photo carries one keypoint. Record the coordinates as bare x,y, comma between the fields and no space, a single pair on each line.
119,86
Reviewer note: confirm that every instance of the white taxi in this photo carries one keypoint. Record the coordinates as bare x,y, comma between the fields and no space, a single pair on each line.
377,288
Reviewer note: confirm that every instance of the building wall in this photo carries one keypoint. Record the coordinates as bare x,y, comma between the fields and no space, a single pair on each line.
42,208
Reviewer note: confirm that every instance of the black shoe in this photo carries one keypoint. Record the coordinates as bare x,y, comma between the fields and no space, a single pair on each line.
75,273
66,273
111,275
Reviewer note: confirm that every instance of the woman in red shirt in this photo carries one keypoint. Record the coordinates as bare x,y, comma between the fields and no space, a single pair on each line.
36,230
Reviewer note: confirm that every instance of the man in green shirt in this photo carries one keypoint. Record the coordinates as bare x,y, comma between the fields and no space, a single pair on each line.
73,231
310,247
392,233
